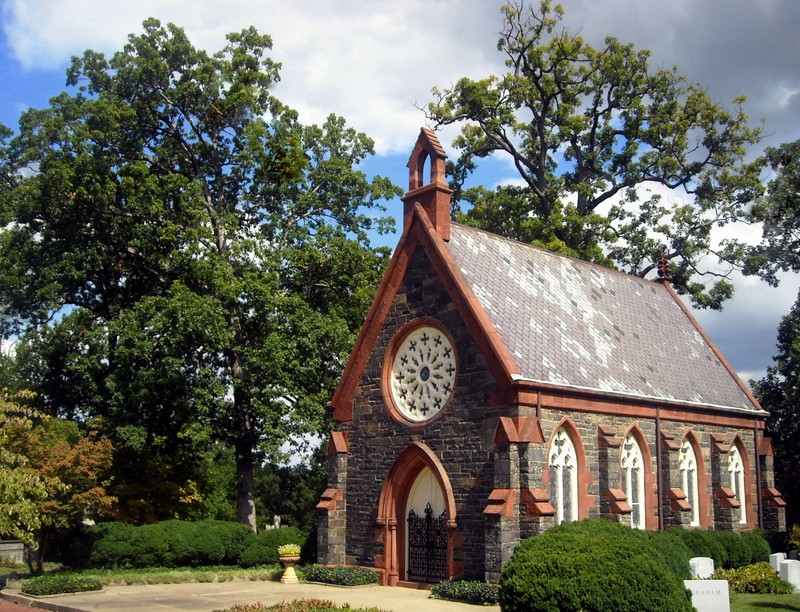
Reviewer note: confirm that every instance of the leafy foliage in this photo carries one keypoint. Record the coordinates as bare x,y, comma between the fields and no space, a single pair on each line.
53,584
470,591
206,256
586,128
343,576
21,489
779,393
299,605
590,565
779,212
166,544
756,578
263,549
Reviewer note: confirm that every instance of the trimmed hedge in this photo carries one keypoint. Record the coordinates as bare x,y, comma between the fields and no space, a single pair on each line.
263,548
167,544
469,591
728,549
590,565
53,584
343,576
756,578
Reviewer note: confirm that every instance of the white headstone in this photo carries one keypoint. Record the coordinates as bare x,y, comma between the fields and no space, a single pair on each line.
709,595
790,572
775,560
702,567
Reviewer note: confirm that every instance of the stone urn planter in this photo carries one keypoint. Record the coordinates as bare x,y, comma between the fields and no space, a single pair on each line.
289,554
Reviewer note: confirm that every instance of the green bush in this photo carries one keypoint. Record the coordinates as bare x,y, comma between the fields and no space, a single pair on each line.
167,544
263,549
590,565
756,578
673,551
757,545
53,584
737,552
343,576
701,544
470,591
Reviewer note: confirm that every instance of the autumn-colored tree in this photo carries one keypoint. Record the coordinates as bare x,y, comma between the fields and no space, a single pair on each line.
70,468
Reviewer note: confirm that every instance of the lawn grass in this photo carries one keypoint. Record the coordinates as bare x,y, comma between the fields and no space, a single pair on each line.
163,575
746,602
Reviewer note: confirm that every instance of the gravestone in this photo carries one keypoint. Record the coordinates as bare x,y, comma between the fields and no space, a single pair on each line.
702,567
790,572
709,595
775,560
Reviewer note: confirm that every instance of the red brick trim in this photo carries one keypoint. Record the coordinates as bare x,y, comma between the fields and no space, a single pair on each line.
749,483
328,500
337,442
501,503
719,443
765,448
618,501
668,440
607,437
772,497
537,502
727,498
678,500
518,430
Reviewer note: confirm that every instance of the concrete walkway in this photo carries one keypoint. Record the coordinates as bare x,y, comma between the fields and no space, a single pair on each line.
207,597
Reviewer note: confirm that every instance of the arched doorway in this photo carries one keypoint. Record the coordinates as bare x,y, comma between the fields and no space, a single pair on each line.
426,534
417,513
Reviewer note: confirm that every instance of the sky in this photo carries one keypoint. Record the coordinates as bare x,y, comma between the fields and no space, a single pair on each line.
374,62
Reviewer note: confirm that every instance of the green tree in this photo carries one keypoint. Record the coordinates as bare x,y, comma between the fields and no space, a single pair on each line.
202,259
779,212
779,393
586,129
21,489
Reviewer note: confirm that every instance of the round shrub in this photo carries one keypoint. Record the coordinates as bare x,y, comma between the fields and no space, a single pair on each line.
263,549
758,546
737,553
111,545
672,551
756,578
590,565
701,544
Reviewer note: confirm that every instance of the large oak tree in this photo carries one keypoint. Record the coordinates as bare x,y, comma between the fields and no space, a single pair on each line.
587,130
187,261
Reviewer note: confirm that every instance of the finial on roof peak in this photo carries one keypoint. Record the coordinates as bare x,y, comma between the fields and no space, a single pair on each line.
433,196
664,269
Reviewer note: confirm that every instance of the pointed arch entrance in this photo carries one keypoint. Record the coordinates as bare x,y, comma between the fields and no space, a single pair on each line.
417,487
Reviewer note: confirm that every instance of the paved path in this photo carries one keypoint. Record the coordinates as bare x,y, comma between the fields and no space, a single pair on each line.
207,597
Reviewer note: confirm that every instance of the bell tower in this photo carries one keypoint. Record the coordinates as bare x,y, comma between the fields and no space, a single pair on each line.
433,196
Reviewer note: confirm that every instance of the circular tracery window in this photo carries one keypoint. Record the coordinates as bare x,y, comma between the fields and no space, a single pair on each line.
423,373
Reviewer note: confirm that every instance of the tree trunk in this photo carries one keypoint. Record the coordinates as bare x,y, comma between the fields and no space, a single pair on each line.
245,500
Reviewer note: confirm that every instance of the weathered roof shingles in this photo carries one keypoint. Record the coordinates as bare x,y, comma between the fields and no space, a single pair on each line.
571,323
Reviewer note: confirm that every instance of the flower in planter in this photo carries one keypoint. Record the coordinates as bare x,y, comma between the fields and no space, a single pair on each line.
288,549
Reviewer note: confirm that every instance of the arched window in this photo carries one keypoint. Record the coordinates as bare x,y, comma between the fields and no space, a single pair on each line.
632,465
563,477
687,468
736,471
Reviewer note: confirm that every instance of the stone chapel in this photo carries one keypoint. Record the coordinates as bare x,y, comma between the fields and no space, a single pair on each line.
497,389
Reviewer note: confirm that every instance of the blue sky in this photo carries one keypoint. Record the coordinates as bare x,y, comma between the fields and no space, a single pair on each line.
375,63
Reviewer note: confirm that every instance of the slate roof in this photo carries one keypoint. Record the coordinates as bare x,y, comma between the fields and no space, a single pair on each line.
575,324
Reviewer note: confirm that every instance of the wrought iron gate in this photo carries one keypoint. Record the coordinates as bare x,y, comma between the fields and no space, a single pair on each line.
427,546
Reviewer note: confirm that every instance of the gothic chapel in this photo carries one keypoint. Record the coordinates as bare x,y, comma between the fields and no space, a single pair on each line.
497,389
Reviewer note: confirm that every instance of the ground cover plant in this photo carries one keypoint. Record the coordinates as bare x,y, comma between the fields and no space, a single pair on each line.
299,605
756,578
469,591
53,584
590,565
343,576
